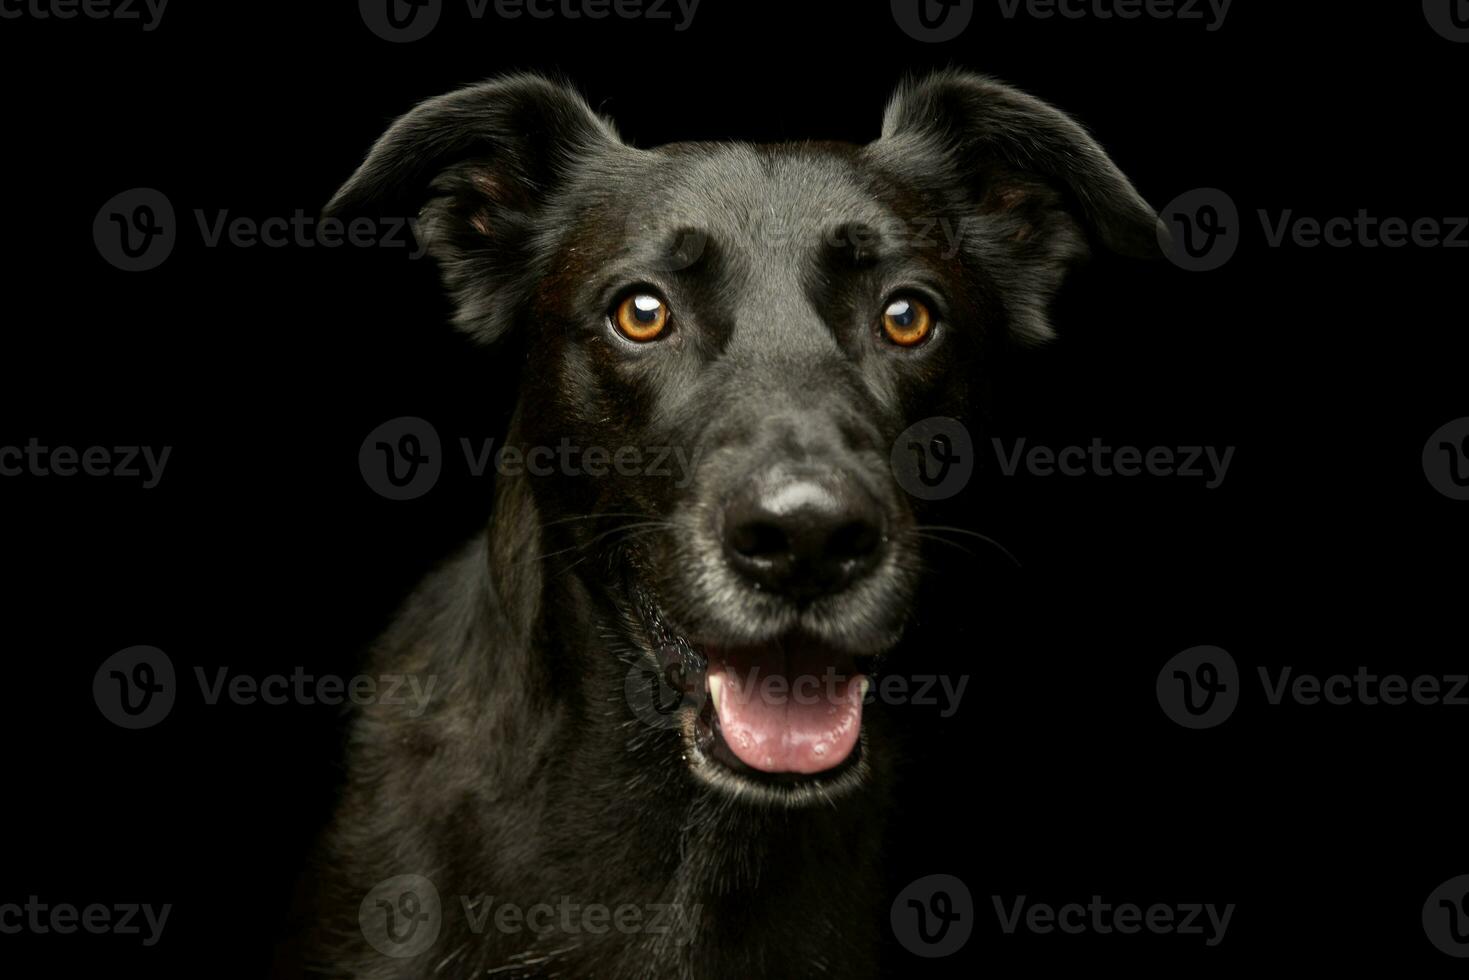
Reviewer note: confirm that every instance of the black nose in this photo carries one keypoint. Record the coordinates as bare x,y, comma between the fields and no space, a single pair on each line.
803,535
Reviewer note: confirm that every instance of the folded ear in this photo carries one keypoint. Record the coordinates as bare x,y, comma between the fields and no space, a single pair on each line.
1040,187
479,166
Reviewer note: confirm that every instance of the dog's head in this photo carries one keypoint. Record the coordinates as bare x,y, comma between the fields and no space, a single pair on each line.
722,343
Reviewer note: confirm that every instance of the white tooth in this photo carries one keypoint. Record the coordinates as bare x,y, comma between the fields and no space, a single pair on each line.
862,686
715,682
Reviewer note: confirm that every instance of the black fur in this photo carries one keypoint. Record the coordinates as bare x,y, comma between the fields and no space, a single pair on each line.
530,779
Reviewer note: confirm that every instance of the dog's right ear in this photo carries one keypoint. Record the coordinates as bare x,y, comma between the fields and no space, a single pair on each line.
1043,189
478,167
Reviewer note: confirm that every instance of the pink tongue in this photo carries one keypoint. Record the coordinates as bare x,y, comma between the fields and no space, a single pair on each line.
787,711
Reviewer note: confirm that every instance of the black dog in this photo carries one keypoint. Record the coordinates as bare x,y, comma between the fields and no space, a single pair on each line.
774,316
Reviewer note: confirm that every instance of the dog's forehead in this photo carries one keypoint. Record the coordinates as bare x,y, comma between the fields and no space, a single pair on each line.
761,195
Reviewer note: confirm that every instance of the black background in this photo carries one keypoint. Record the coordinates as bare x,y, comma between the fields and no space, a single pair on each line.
1060,778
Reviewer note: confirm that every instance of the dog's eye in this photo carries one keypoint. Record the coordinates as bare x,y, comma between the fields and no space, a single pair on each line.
641,317
907,321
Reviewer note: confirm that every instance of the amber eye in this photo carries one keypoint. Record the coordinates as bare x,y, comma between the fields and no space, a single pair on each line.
907,322
641,317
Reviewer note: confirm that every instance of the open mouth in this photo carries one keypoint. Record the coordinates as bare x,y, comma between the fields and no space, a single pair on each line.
783,713
789,708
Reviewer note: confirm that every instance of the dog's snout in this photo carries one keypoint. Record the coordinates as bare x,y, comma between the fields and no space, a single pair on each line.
803,535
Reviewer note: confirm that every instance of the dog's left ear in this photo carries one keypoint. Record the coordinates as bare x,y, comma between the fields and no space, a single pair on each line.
481,167
1040,186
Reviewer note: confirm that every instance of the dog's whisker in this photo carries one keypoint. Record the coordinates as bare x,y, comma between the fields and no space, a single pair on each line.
945,541
637,531
921,530
600,537
594,517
